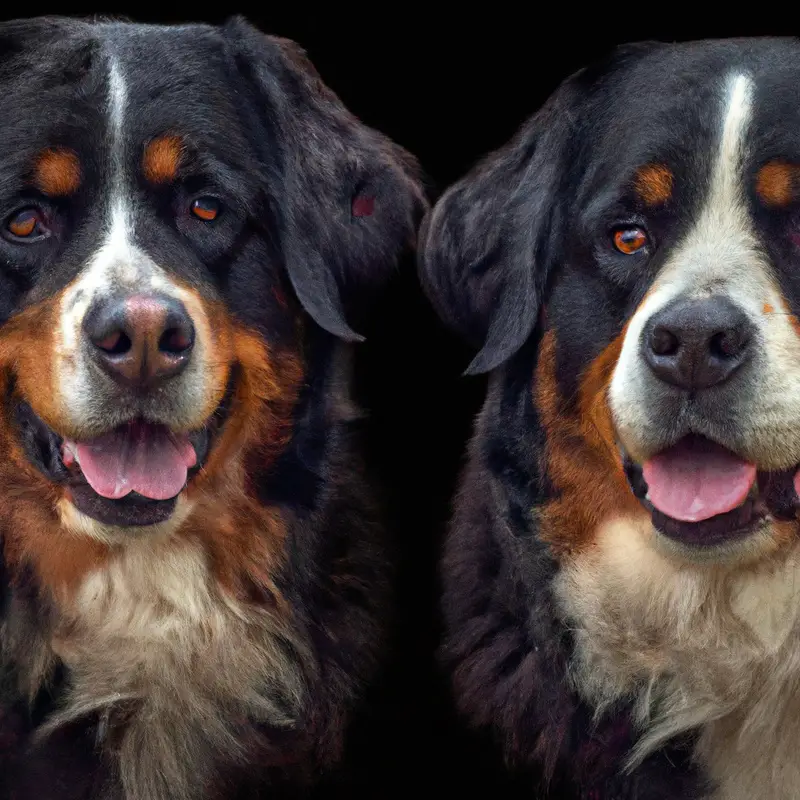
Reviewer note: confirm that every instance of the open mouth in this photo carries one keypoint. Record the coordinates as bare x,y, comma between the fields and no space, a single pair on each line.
130,476
702,494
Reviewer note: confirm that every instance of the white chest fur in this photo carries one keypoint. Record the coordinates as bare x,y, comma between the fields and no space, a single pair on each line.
152,627
697,646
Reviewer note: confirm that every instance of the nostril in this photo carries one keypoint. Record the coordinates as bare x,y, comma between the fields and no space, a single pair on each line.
139,339
116,344
664,342
176,340
728,344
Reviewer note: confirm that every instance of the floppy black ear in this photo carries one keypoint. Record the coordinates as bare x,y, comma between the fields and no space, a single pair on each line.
353,199
484,249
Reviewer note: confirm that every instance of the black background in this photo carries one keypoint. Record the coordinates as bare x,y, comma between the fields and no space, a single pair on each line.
449,86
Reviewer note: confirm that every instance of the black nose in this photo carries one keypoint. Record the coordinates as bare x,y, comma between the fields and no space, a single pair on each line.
696,344
140,340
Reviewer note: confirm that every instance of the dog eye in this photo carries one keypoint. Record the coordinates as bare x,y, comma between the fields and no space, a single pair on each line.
27,224
206,208
630,240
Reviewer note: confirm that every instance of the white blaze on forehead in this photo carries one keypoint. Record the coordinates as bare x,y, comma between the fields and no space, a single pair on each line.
726,178
721,254
118,97
117,264
720,246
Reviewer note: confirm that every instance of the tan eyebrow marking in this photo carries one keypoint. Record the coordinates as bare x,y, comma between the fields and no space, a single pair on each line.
162,157
57,172
654,183
777,183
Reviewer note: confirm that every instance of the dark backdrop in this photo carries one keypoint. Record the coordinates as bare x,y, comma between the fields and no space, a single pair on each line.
449,86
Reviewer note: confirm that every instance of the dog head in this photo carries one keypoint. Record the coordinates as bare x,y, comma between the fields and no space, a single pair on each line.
178,206
642,230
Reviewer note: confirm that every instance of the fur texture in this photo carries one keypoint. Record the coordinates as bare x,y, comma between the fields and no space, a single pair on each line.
609,656
213,645
692,648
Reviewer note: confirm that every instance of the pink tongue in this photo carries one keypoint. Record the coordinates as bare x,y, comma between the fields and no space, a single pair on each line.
138,457
697,479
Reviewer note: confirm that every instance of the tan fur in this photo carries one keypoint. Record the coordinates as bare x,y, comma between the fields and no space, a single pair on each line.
151,642
714,646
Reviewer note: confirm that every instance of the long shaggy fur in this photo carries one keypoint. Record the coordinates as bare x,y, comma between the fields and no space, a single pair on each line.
715,649
510,640
608,659
221,653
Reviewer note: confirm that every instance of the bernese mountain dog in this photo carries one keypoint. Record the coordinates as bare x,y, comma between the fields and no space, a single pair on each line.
193,574
621,581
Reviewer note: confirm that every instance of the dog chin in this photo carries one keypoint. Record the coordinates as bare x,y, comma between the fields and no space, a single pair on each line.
708,503
77,522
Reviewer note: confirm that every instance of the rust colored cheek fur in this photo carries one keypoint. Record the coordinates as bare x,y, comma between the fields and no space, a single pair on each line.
28,350
243,537
583,461
30,527
29,524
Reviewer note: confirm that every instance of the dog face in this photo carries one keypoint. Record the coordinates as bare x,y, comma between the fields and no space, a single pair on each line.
642,231
179,204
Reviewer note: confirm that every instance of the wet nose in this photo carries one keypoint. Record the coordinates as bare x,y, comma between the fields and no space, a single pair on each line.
140,340
695,344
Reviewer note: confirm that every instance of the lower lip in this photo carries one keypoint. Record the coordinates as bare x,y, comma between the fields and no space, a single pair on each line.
723,529
775,499
132,511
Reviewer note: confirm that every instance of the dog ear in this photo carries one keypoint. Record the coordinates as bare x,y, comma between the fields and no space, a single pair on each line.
484,249
352,199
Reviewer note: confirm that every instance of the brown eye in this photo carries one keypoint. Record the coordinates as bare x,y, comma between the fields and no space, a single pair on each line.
206,208
26,224
629,240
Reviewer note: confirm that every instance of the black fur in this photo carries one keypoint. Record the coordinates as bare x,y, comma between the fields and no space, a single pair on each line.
328,155
506,647
293,160
519,246
476,264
